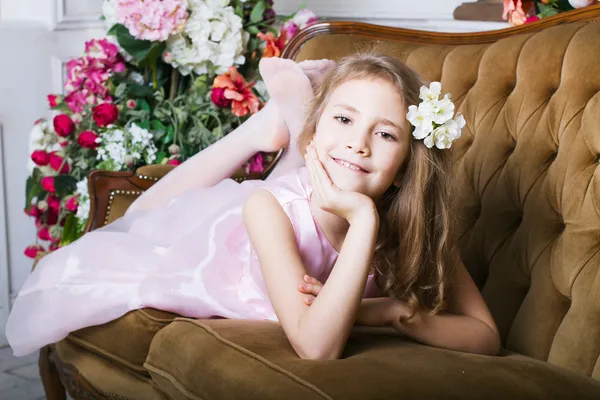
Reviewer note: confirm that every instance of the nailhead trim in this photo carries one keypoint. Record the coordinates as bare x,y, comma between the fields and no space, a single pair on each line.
111,198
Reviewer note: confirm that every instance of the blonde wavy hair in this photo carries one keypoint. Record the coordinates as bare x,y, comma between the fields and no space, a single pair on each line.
416,252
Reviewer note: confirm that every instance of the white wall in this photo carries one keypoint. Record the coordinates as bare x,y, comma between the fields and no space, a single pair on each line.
38,36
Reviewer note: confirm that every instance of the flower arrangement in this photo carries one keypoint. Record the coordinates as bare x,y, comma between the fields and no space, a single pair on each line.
518,12
434,118
170,78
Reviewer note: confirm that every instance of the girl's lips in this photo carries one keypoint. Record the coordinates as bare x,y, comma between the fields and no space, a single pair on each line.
349,165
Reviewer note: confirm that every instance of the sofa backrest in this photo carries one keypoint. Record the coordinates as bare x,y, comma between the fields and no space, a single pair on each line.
527,167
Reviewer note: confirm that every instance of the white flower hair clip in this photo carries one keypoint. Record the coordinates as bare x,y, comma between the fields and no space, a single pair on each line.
433,120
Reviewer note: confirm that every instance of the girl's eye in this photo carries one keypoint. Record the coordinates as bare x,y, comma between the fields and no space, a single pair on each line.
387,136
342,119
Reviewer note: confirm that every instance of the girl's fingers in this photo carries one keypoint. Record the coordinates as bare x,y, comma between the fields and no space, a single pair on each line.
309,289
309,300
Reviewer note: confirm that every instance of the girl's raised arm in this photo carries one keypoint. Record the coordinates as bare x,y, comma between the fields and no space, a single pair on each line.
321,330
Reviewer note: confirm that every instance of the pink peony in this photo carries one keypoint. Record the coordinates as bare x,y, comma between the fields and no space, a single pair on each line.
32,250
63,125
59,164
153,20
304,18
72,203
47,183
88,140
255,165
290,28
40,157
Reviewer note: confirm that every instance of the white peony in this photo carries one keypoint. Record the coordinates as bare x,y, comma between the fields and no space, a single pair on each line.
212,40
442,137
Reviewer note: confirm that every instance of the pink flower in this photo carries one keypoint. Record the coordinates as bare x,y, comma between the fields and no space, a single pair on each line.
153,20
88,140
517,12
55,245
40,157
239,91
59,164
290,28
63,125
72,203
47,183
32,250
255,165
131,104
304,18
174,161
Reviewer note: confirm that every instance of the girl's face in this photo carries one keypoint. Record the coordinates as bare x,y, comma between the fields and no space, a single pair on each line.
362,137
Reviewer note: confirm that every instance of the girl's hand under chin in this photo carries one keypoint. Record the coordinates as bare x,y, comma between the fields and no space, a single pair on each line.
343,203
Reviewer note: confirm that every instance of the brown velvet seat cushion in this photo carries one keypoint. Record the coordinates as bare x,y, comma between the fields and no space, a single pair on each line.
126,340
100,379
222,359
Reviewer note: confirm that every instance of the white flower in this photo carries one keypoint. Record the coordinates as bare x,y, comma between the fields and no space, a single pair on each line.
421,119
109,11
443,110
212,40
431,93
580,3
443,136
83,200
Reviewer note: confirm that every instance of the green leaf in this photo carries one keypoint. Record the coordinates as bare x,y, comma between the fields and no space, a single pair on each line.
140,90
153,54
158,126
170,133
258,11
253,30
65,185
32,189
160,156
143,104
546,11
139,49
144,124
70,231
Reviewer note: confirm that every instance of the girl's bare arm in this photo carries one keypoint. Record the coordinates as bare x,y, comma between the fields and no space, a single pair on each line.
321,330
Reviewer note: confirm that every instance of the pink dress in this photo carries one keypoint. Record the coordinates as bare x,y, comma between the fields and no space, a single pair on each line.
191,256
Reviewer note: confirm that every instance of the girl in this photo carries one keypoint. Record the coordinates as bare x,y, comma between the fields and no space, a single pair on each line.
368,216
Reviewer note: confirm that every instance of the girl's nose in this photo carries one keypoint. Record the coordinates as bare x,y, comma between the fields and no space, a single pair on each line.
359,144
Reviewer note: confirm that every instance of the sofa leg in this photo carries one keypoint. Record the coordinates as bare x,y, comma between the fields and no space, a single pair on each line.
50,378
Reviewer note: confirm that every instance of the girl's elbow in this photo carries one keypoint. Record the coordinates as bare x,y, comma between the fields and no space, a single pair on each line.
315,352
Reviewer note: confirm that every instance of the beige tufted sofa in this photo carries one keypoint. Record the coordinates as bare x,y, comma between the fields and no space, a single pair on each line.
529,177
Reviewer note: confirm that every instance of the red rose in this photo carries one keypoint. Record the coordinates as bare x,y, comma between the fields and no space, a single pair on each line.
87,139
44,233
53,202
40,157
173,161
56,161
218,97
72,203
33,211
105,114
32,250
47,183
54,246
51,217
63,125
52,100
